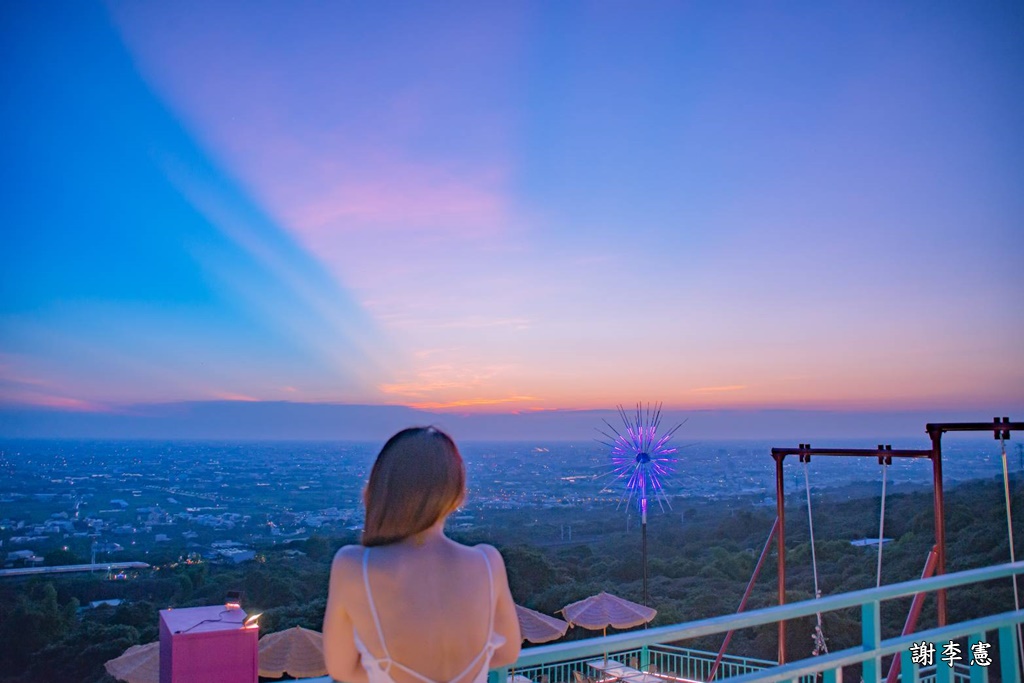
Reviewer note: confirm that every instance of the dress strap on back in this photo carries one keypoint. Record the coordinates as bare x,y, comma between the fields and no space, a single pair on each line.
492,604
385,663
373,607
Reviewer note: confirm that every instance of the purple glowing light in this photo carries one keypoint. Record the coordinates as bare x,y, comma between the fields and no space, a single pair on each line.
640,456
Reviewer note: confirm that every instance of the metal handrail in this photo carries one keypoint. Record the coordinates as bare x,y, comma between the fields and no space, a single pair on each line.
759,617
868,653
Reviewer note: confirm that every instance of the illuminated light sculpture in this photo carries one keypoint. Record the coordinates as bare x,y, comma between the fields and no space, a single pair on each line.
643,459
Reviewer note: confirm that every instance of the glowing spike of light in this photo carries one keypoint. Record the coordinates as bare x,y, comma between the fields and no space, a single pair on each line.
640,456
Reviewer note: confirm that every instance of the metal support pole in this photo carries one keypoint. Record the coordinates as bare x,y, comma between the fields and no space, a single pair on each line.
643,535
940,524
780,504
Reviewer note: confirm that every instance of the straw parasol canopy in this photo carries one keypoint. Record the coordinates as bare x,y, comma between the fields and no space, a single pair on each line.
297,652
138,664
537,627
604,609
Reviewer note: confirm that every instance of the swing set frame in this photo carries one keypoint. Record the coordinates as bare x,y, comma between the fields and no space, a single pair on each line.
1001,428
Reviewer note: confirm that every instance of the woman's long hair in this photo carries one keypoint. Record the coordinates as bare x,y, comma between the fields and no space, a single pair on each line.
418,478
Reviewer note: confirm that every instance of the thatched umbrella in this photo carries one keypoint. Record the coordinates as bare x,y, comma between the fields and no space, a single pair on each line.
297,652
138,664
604,609
537,627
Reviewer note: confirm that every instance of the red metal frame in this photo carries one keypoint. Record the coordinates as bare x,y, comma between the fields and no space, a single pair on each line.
915,611
1001,428
746,596
885,454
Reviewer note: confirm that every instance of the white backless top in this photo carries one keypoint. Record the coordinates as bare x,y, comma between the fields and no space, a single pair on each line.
378,669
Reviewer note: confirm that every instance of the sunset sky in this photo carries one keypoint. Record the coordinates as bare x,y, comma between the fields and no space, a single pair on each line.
511,206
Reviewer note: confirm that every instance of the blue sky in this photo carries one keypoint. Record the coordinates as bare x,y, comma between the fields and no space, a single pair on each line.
498,206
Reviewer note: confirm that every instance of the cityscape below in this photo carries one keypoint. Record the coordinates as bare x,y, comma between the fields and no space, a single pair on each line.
119,501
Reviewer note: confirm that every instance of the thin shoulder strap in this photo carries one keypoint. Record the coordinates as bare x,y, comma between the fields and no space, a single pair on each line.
489,645
386,662
490,592
373,608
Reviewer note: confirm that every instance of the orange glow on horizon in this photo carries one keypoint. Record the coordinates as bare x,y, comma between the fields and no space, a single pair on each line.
729,387
471,403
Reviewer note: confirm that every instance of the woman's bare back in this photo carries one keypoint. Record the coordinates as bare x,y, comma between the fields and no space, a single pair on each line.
434,600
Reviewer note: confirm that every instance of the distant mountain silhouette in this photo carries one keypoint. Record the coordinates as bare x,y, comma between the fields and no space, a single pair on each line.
281,420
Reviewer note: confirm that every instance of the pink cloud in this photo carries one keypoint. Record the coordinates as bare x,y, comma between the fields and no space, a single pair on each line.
231,396
16,387
454,385
728,387
41,400
71,404
11,376
335,136
403,195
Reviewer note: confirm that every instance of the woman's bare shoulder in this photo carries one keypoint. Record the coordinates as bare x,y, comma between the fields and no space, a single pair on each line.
347,561
492,554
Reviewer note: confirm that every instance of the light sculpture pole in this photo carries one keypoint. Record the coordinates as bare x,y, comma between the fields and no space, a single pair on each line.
643,459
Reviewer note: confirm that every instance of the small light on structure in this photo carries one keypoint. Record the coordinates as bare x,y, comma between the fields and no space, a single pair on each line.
251,622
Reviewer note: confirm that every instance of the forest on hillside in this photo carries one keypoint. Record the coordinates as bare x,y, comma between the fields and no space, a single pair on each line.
700,561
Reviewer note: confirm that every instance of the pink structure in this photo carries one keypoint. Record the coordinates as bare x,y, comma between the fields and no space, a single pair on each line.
206,644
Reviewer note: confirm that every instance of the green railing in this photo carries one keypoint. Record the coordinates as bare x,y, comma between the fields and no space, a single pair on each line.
556,663
564,671
696,665
667,661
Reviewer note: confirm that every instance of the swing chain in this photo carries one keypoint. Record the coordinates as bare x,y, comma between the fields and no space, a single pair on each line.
1003,436
885,461
820,646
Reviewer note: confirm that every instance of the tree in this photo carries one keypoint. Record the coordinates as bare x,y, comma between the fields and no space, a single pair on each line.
268,589
529,571
319,548
61,556
80,656
33,622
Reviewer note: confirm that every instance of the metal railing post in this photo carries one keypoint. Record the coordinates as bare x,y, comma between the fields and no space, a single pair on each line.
944,673
979,674
834,675
871,638
909,672
1008,664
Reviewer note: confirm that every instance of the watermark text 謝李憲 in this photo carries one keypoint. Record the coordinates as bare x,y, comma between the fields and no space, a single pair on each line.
923,653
